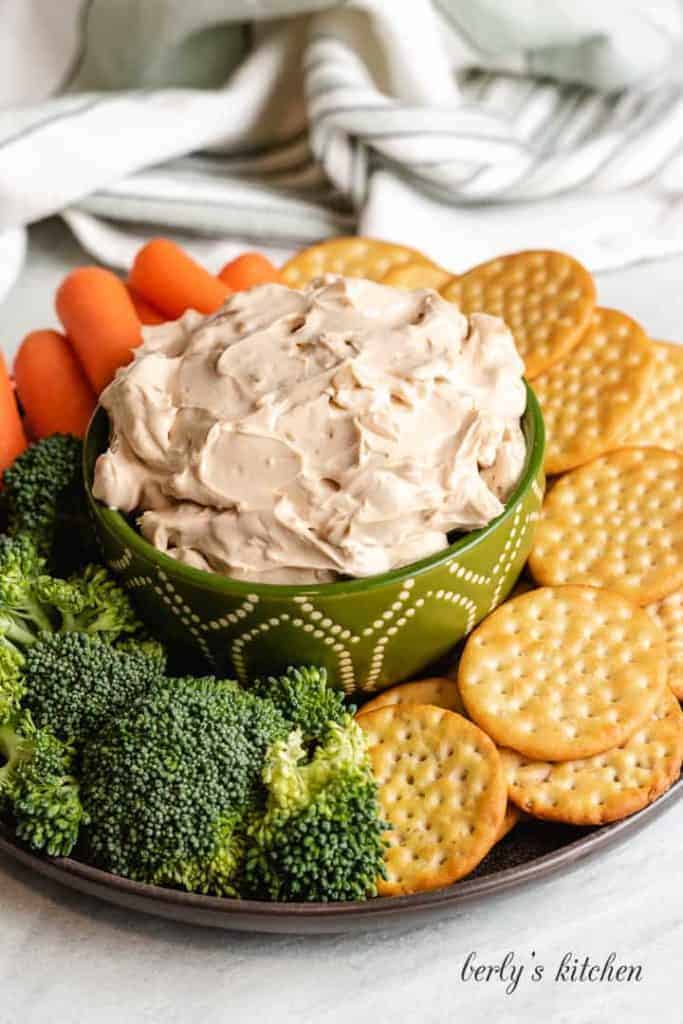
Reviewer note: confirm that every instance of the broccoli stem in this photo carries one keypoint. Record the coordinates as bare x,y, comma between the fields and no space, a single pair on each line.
36,614
16,633
75,624
11,748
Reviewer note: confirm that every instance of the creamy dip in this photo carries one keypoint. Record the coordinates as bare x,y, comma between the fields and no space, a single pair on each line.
296,436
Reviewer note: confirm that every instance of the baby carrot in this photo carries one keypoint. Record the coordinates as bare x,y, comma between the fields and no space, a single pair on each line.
52,387
12,436
171,280
147,314
249,269
100,322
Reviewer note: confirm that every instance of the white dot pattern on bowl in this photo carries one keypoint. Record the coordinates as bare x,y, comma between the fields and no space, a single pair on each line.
368,658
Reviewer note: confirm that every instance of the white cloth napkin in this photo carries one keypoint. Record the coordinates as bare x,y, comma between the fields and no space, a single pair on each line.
278,122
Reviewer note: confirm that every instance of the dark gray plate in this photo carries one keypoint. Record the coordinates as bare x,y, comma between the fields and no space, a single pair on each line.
532,851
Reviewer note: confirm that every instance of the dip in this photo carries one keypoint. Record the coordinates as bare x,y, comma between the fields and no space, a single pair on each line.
296,436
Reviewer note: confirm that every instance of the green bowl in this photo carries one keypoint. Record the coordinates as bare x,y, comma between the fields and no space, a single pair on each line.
368,633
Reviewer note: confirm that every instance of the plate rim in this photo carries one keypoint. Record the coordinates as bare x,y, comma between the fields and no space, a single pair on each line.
70,871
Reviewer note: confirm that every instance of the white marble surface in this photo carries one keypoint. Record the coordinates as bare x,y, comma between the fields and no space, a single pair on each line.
65,959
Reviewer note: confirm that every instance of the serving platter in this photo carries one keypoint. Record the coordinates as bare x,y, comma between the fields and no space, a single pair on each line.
531,852
369,633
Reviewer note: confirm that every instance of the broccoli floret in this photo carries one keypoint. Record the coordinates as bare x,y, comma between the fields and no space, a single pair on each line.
33,602
19,560
38,785
73,682
306,699
22,612
219,872
94,603
321,835
11,680
45,627
153,650
44,498
167,783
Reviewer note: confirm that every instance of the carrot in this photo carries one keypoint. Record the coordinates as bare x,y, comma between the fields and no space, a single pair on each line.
249,269
147,314
100,322
52,387
12,436
171,280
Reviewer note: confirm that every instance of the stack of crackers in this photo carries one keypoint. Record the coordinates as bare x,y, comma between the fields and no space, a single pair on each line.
564,702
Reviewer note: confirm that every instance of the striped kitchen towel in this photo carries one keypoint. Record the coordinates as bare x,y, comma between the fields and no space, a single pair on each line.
465,127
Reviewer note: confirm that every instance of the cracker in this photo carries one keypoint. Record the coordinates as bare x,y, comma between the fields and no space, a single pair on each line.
442,693
522,586
563,672
513,816
606,787
668,613
442,790
546,298
615,522
660,421
589,398
353,257
417,275
437,690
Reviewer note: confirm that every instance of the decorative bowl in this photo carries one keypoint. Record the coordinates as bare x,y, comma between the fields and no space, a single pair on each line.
368,633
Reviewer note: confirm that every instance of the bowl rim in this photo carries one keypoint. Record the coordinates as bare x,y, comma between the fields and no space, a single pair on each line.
116,524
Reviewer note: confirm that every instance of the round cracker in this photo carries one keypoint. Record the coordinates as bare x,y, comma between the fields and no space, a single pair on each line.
513,816
437,690
615,522
606,787
668,614
417,275
442,693
563,672
442,790
546,299
660,421
589,398
352,257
